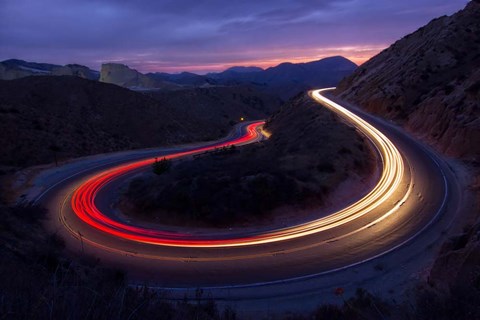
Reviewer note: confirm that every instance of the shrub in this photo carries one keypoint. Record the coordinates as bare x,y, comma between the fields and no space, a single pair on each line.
161,166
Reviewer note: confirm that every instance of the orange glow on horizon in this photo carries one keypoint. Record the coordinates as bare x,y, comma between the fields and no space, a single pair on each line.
357,54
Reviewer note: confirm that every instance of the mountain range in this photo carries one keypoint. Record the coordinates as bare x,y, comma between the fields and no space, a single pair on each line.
285,80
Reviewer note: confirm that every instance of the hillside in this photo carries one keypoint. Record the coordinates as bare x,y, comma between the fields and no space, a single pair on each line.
217,105
299,166
429,81
81,117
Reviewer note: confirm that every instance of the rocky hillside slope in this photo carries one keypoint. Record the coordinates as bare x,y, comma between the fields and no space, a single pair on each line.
307,156
429,81
72,117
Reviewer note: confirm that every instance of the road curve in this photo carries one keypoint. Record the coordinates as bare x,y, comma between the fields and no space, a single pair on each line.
83,199
415,191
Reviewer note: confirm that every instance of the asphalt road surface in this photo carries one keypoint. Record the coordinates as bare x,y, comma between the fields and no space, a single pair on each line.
416,194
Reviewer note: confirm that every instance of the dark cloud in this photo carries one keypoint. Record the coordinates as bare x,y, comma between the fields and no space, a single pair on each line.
205,35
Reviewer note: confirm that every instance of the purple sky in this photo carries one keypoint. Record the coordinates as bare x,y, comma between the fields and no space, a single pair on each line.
208,35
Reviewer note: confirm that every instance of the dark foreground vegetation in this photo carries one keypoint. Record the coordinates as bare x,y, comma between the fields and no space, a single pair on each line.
308,155
39,281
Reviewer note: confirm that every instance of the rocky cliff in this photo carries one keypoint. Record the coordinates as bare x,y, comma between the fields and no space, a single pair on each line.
429,81
123,76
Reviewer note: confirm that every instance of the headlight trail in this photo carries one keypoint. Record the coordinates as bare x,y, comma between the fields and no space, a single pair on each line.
83,199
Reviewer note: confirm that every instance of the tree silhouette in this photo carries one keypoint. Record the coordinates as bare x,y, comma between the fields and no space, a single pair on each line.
55,149
161,166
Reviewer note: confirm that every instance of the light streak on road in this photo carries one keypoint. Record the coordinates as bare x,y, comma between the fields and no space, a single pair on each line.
83,199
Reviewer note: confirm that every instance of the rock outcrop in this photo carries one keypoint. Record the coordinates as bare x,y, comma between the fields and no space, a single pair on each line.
123,76
429,81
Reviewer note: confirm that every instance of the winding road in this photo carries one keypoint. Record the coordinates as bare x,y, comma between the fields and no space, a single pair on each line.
416,196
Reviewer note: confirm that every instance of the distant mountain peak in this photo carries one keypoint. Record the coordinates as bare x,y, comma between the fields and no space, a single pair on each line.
241,69
335,58
339,60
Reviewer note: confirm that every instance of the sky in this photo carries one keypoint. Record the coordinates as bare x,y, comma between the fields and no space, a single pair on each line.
207,35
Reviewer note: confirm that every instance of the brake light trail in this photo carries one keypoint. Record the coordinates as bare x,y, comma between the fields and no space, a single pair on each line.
83,199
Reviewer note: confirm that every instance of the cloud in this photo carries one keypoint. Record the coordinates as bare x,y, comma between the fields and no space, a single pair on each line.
171,35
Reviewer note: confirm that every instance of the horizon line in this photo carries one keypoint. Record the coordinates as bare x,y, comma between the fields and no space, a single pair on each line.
203,69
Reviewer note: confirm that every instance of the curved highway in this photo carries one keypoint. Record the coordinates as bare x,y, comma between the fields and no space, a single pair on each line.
415,192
